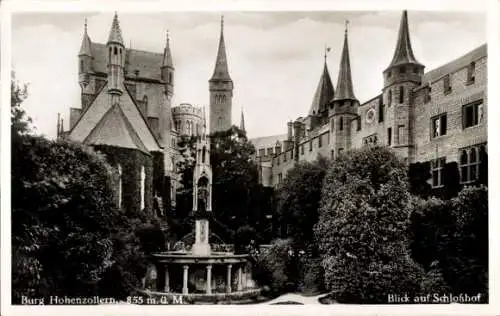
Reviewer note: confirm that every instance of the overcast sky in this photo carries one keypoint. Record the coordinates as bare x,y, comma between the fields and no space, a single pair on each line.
275,58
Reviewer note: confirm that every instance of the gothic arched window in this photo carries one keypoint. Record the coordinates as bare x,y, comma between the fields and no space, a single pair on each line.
115,51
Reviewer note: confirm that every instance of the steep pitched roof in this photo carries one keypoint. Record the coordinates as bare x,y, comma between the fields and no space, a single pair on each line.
403,53
86,47
115,34
115,129
147,63
94,114
344,89
324,92
268,141
221,70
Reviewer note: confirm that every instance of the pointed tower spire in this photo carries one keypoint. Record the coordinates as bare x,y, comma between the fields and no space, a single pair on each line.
115,35
403,53
324,92
167,55
221,71
242,121
86,47
344,82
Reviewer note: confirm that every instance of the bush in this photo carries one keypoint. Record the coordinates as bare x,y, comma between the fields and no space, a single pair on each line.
362,229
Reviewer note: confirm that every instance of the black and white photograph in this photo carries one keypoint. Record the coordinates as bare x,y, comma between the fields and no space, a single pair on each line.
328,158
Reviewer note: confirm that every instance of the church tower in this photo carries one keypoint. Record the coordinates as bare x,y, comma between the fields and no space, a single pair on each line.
344,105
115,61
403,74
202,194
85,60
221,90
318,112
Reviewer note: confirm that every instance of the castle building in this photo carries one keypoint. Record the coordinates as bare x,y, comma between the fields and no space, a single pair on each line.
126,112
438,116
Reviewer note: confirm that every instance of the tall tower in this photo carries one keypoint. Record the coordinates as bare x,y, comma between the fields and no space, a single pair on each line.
166,127
85,59
344,105
403,74
221,89
202,195
115,61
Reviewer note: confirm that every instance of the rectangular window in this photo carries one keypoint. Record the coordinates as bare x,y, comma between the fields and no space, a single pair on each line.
284,156
438,125
437,166
332,154
280,178
320,143
389,136
400,139
472,114
446,84
291,153
311,145
471,73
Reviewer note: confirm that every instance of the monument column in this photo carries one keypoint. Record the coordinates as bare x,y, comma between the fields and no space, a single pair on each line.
209,279
185,280
228,284
167,280
239,279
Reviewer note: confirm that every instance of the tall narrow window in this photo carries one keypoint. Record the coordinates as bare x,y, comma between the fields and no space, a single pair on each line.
400,139
389,136
471,73
446,84
341,123
143,188
332,154
389,97
437,166
380,112
427,96
401,94
203,154
119,186
320,143
311,145
81,65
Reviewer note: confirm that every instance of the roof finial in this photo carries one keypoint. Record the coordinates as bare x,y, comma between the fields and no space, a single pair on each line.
327,50
168,37
346,25
222,22
85,25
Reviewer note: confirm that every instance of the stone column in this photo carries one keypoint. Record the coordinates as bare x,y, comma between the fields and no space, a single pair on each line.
239,279
167,280
185,280
209,279
228,281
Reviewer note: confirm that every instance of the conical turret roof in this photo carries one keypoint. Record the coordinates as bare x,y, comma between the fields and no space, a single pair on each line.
404,52
221,70
344,89
167,55
324,92
86,47
115,35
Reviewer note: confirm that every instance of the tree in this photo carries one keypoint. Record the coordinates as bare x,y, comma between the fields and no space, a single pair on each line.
20,122
362,227
450,237
298,200
419,175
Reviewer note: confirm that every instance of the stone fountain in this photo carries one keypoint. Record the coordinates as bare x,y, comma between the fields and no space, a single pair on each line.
203,271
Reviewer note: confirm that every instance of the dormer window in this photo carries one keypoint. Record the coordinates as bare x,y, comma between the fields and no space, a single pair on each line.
402,70
471,73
